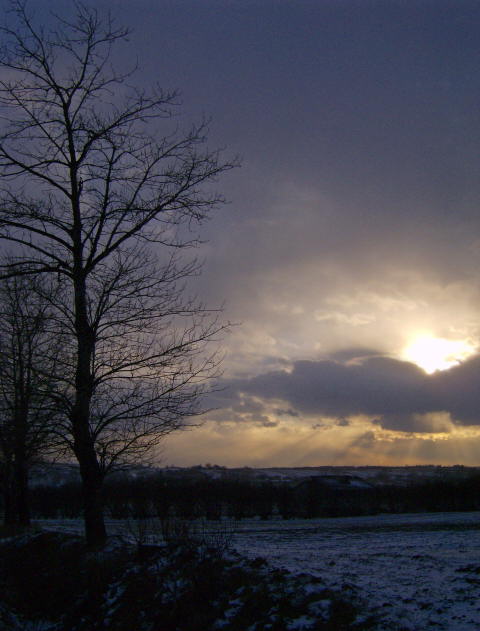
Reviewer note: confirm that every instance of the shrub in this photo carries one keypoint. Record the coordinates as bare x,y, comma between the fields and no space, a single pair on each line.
187,587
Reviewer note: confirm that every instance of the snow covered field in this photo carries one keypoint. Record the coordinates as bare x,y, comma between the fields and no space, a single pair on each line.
416,572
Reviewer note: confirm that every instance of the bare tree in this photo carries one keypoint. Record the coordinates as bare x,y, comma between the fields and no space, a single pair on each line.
90,195
28,364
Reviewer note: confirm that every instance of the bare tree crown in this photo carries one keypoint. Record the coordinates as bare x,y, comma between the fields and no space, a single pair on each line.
81,171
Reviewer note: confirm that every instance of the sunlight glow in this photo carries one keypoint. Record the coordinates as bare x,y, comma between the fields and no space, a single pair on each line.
437,353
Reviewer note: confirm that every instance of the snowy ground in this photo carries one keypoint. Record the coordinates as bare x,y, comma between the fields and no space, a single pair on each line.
416,572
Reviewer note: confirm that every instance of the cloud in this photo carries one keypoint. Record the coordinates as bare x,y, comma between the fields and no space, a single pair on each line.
353,354
458,389
282,412
353,226
395,395
297,443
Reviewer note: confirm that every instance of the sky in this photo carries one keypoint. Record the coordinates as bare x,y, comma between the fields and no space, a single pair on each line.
349,252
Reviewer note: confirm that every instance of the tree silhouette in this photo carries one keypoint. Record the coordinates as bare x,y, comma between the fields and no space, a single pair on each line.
29,354
93,191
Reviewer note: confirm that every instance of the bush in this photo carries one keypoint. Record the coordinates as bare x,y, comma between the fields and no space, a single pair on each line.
170,588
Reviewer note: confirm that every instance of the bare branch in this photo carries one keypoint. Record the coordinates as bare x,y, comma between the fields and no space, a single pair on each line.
92,198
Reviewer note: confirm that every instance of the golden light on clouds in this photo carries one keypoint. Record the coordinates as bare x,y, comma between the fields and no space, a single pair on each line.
437,353
323,442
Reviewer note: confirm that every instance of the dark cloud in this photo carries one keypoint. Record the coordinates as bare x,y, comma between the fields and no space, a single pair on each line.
458,390
353,354
358,126
282,412
396,394
376,387
364,441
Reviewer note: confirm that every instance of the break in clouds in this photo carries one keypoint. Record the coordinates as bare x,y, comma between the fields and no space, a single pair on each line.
395,395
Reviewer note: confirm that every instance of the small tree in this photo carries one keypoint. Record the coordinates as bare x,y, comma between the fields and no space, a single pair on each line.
90,195
28,364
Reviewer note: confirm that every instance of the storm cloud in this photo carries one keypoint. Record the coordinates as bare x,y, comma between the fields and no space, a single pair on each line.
394,394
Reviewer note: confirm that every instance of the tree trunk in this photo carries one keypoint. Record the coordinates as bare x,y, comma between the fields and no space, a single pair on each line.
21,491
92,482
90,471
9,512
20,460
84,442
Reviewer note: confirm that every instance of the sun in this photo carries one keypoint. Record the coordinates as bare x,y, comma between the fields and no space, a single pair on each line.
437,353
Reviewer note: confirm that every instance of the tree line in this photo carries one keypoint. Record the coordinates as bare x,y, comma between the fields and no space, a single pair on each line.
102,194
162,496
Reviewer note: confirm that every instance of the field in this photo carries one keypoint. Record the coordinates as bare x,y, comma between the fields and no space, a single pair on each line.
415,571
